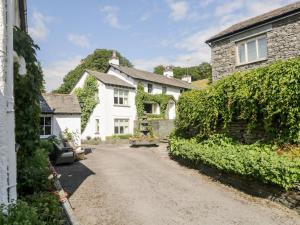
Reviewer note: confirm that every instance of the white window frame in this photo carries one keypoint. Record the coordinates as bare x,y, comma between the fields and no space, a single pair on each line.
118,123
119,96
44,125
246,41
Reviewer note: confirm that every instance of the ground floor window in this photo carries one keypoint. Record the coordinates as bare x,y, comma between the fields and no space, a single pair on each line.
151,108
121,126
45,125
97,128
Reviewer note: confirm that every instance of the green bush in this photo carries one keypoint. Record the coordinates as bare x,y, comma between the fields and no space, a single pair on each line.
267,97
47,207
259,161
19,213
33,173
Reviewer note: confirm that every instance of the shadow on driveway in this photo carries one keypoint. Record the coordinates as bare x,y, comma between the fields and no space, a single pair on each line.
72,176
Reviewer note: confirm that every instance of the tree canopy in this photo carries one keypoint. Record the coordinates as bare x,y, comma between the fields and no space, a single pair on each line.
98,60
199,72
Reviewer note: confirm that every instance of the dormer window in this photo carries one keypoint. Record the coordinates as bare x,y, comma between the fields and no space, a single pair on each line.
150,88
252,50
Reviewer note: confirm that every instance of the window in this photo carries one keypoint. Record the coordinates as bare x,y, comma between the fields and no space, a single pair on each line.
97,128
121,126
45,125
120,97
164,89
252,50
150,88
181,91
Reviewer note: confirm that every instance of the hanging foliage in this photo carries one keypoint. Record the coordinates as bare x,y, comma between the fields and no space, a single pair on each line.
161,99
267,97
88,99
27,90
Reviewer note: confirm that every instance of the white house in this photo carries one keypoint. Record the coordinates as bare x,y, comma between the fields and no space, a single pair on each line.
115,112
60,112
12,13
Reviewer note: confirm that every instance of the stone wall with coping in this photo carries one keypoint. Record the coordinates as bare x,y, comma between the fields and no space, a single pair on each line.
283,42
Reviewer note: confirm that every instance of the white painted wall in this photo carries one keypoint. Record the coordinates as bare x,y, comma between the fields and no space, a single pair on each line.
7,122
61,122
106,112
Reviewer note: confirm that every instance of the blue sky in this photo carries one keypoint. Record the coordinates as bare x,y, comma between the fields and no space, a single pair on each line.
147,32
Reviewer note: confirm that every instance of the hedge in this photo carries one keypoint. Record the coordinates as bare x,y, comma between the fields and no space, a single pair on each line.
267,97
259,161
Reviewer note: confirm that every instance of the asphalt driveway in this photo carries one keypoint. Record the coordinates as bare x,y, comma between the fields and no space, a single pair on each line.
118,185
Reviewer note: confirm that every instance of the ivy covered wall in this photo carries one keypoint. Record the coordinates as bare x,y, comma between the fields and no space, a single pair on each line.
161,99
88,99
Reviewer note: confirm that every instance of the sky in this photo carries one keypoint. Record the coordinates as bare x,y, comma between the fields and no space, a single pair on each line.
147,32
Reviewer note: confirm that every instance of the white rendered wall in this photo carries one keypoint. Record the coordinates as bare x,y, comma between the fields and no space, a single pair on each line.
106,112
7,122
61,122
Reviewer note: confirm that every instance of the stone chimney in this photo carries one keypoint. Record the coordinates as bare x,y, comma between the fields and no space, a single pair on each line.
114,60
168,72
187,78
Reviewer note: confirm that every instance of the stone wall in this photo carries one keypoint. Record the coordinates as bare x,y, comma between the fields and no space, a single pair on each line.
283,42
161,128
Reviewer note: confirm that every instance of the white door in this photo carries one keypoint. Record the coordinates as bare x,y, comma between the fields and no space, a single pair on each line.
171,110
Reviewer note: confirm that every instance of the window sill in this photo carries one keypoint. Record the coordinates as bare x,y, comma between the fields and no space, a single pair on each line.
121,105
252,62
45,136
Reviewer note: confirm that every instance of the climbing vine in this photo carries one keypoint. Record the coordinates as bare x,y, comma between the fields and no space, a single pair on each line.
27,90
267,97
161,99
88,99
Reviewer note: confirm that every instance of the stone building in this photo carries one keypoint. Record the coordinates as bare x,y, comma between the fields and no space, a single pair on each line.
257,41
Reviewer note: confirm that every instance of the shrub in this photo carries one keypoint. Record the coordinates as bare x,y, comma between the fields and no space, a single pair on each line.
47,207
267,97
19,213
33,173
94,141
259,161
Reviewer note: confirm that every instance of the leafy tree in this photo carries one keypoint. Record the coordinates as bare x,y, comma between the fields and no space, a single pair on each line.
199,72
98,60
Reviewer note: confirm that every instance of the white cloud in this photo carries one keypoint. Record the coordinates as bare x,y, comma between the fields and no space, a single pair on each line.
228,7
179,9
111,16
38,29
55,71
79,40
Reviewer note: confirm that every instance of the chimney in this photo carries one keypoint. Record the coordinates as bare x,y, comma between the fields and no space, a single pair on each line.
187,78
114,60
168,72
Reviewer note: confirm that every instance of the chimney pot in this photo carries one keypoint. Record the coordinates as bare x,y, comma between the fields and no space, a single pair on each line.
114,60
168,71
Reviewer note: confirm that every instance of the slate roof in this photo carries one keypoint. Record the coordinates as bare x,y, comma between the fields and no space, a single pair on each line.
59,104
258,20
147,76
109,79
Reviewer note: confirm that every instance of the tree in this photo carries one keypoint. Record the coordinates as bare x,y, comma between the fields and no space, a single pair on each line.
98,60
199,72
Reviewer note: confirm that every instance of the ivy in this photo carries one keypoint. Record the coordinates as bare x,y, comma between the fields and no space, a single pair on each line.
267,97
87,96
27,90
161,99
